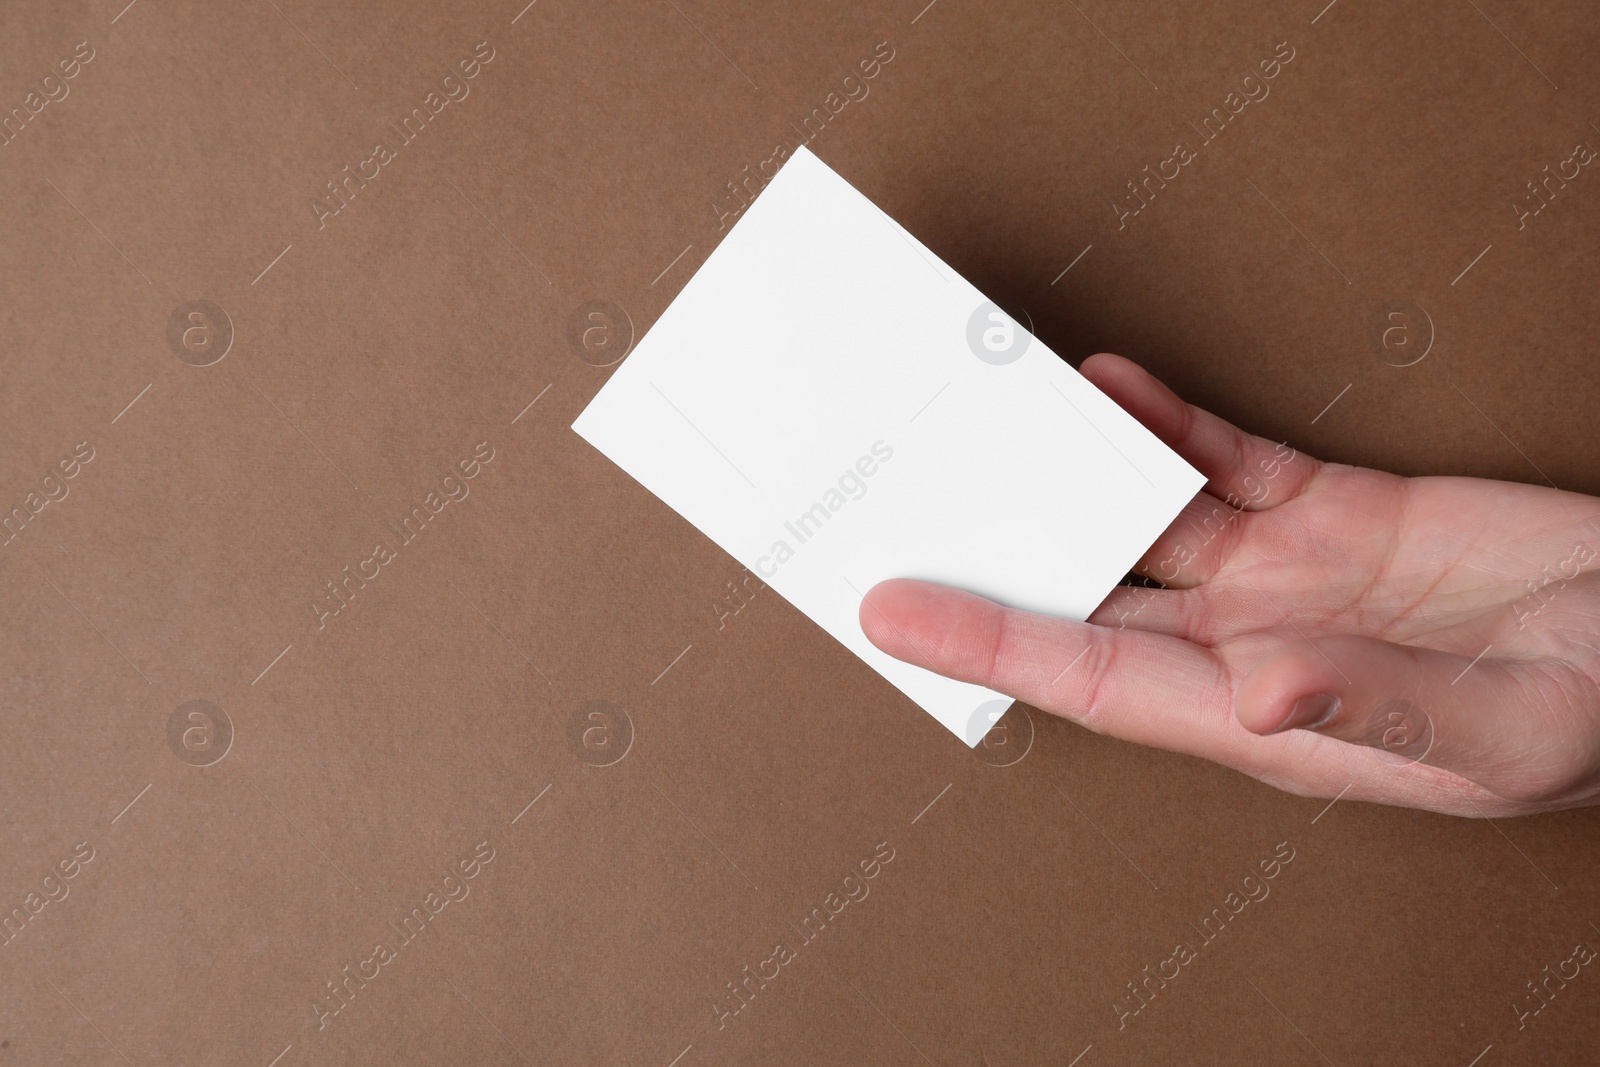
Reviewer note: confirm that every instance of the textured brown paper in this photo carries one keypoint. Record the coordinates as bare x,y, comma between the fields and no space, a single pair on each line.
358,712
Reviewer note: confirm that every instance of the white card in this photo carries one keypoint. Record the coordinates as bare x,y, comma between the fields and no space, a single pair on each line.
833,405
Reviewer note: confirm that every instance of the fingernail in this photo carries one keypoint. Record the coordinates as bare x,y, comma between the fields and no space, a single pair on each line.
1310,712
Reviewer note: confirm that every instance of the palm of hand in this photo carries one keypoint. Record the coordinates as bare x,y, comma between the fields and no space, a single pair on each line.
1456,620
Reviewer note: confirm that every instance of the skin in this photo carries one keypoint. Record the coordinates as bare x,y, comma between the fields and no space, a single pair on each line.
1332,582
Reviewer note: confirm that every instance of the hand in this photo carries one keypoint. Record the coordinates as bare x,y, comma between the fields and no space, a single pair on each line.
1430,642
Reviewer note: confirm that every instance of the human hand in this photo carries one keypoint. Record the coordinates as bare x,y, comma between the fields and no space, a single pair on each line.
1428,642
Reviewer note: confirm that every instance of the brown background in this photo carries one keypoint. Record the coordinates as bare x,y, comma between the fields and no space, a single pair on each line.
766,761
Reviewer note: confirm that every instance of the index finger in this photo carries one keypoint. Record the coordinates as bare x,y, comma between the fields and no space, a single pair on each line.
1143,687
1137,685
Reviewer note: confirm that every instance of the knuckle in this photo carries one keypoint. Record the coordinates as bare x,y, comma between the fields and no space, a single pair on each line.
1241,458
1000,641
1187,421
1097,664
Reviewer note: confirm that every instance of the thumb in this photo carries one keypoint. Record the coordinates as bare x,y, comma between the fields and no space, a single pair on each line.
1507,725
